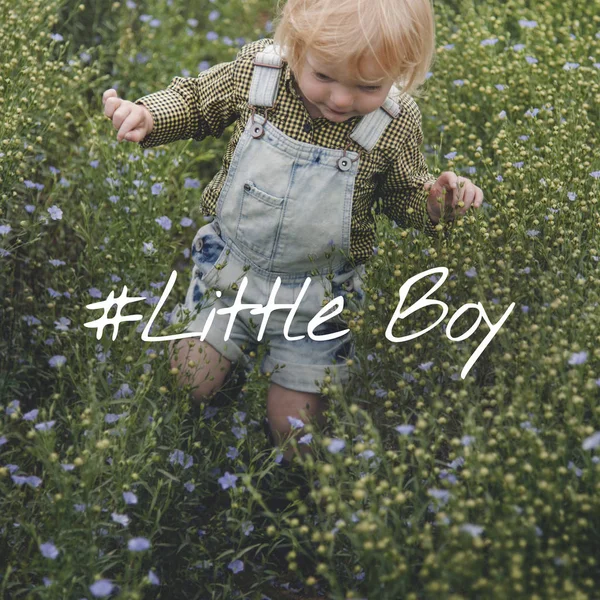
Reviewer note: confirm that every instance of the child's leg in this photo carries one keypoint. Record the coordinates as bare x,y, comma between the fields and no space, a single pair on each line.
283,403
200,365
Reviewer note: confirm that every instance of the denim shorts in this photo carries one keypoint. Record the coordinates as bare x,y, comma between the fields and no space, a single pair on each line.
300,365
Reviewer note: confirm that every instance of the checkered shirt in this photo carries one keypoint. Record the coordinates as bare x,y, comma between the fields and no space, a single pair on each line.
394,171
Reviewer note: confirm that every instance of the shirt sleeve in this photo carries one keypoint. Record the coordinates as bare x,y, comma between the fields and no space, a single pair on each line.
192,107
401,191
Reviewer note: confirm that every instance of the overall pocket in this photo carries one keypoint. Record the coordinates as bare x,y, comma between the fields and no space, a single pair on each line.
260,219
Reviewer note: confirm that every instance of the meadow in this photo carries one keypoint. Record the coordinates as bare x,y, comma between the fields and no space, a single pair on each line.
425,484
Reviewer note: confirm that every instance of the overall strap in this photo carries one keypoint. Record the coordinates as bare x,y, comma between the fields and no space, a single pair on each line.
265,78
369,129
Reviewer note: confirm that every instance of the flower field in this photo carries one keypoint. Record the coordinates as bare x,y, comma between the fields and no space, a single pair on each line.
434,478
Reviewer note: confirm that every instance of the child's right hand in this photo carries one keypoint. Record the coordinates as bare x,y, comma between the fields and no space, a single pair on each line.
133,121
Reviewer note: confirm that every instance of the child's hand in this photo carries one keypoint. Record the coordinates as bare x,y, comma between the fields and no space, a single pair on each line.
460,195
133,121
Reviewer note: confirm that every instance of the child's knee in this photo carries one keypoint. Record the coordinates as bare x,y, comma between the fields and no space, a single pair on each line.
200,366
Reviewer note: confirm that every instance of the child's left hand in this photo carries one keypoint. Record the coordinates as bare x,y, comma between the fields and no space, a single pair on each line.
460,195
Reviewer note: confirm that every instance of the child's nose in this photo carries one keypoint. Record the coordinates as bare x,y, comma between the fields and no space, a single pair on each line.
342,98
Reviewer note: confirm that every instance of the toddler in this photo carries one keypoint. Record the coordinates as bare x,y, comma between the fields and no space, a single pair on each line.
324,127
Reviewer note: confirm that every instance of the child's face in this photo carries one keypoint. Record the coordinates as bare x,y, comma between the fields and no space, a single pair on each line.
333,92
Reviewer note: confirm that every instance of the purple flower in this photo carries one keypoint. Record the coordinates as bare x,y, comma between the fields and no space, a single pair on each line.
63,324
306,439
441,495
55,213
239,432
12,407
3,440
499,87
211,36
295,423
467,440
472,272
101,588
247,527
405,429
571,196
236,566
336,446
190,487
156,189
149,248
177,456
213,15
450,155
527,24
591,442
49,550
473,530
31,480
192,22
57,361
46,426
532,232
578,358
130,498
30,184
120,519
154,23
152,578
569,66
458,82
518,47
4,229
448,47
31,415
186,222
56,37
57,263
228,480
232,453
426,365
164,222
138,544
595,174
531,60
190,183
502,114
489,42
124,391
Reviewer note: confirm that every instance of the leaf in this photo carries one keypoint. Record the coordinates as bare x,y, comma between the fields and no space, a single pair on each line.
171,477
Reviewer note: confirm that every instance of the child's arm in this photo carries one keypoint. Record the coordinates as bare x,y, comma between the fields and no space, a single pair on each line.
192,107
410,193
402,191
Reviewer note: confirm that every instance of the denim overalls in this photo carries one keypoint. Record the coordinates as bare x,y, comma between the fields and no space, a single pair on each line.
284,211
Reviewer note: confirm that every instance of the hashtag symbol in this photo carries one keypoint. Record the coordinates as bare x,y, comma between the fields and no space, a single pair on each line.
115,321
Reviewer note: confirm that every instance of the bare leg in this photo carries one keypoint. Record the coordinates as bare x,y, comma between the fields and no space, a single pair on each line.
283,402
200,365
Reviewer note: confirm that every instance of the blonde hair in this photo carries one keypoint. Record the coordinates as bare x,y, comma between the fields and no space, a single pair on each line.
398,34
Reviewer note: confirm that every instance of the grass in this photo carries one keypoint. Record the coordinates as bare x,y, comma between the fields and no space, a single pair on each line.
482,487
